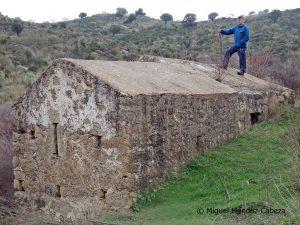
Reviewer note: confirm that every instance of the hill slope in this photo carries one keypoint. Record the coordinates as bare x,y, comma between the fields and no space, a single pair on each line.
274,49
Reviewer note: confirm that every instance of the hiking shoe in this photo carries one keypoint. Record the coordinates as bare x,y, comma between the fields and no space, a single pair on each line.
241,73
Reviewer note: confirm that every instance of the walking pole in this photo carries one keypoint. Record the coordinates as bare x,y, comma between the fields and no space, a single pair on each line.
221,49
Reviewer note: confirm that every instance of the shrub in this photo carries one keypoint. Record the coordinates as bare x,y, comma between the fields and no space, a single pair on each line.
54,25
251,13
3,39
7,65
265,11
32,39
130,18
63,25
130,56
17,26
274,15
115,29
94,45
37,61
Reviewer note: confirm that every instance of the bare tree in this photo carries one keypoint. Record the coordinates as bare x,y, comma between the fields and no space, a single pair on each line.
258,62
263,64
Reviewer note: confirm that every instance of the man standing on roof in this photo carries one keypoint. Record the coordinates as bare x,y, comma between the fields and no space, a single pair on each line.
241,37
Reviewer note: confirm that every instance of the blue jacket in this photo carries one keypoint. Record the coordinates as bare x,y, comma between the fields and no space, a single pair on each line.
241,35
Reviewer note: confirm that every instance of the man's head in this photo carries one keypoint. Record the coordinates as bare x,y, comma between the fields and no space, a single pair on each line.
240,20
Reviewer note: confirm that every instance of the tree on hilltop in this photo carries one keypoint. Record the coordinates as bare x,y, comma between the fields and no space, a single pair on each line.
140,12
189,20
82,15
17,26
212,16
121,12
166,17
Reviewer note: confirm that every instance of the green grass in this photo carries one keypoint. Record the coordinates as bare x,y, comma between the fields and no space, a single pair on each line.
256,169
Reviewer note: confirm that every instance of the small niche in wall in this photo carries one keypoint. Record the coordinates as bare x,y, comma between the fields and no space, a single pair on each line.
254,117
20,185
57,193
103,193
98,140
22,130
32,134
55,139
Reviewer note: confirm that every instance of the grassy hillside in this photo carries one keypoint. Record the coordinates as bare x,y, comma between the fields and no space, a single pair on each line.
259,169
274,49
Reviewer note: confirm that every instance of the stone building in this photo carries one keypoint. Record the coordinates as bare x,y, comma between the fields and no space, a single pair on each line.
89,136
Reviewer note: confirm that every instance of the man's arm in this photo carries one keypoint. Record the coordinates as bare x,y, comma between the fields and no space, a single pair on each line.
227,31
246,36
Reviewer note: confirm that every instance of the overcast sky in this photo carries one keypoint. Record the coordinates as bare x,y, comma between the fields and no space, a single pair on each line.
56,10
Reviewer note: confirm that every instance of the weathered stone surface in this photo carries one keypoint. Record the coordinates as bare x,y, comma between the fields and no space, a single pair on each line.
91,135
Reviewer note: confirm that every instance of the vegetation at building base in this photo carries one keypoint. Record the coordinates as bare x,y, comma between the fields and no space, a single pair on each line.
260,169
26,48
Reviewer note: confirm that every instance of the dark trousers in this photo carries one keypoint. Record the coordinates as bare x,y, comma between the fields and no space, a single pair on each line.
242,57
